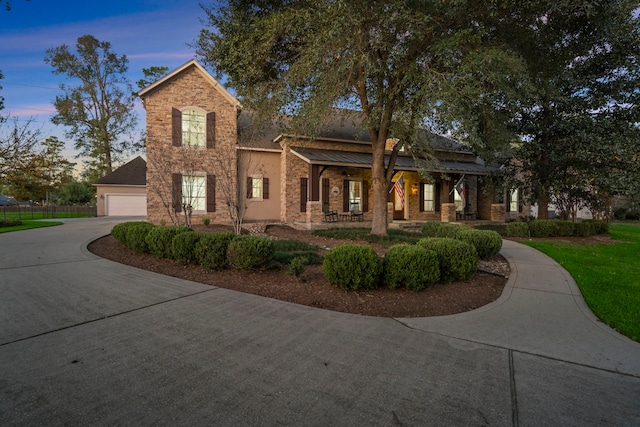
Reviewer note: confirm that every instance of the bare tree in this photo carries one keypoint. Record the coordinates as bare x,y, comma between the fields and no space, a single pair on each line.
19,147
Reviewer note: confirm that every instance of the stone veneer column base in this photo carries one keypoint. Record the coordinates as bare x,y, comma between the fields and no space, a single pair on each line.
448,212
314,212
498,212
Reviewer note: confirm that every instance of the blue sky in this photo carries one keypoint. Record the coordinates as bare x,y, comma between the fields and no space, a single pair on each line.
148,32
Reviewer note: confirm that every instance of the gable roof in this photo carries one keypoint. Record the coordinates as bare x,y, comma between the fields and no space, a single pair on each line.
132,173
195,64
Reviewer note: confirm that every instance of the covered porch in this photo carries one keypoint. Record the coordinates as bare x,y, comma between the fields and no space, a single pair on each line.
337,190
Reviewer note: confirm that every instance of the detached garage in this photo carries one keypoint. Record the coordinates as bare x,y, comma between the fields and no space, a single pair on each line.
123,192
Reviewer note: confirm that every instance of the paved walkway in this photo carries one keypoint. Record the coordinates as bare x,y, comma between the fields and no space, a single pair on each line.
85,341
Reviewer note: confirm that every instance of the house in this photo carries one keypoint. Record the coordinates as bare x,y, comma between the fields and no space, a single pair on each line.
123,191
203,154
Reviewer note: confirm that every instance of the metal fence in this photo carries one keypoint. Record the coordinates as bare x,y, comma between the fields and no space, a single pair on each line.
47,212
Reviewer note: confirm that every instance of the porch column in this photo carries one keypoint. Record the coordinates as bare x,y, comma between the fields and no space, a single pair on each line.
314,178
389,212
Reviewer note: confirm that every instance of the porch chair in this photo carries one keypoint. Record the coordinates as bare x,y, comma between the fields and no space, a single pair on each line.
330,216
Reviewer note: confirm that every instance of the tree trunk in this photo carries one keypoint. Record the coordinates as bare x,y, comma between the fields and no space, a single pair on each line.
543,204
379,188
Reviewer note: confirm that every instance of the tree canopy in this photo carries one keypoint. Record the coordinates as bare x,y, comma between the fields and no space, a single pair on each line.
394,61
578,113
98,111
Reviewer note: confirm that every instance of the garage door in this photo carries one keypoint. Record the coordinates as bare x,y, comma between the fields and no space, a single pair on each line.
126,204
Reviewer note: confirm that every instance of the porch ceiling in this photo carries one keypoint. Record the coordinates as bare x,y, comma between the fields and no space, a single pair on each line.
359,160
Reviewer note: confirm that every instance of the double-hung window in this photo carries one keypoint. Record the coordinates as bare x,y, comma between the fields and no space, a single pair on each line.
193,128
429,197
257,187
194,192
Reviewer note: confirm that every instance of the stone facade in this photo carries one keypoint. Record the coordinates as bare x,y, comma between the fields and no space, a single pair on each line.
189,88
231,160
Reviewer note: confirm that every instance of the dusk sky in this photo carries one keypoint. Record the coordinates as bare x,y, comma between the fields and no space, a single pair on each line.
148,32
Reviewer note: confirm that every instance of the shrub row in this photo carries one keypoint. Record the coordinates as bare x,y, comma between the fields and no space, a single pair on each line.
557,228
487,243
358,267
211,250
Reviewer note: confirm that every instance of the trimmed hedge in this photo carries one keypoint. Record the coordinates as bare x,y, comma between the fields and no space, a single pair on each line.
543,228
9,222
136,235
487,243
591,227
517,229
458,259
159,240
211,250
411,266
183,247
565,228
247,252
352,267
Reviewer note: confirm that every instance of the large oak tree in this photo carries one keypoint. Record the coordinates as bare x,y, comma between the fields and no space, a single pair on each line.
394,61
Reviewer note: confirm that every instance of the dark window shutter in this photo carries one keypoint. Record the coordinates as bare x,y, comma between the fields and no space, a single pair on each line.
304,186
520,201
345,195
365,196
211,130
265,188
437,196
211,193
249,187
176,127
451,190
421,204
176,191
325,194
507,201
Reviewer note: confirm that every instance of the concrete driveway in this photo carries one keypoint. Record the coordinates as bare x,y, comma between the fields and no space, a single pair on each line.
85,341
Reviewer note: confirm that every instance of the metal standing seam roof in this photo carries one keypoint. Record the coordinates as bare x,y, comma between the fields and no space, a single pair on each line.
358,160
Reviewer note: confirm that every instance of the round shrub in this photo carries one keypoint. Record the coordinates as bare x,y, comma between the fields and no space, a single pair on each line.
430,228
136,235
543,228
458,259
517,229
411,266
487,243
119,231
442,229
565,228
246,252
159,240
183,246
211,250
352,267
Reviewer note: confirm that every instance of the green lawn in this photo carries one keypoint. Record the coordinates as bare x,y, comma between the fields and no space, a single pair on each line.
27,224
46,214
608,275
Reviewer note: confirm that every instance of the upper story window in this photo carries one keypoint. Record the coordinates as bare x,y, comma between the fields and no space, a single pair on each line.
193,127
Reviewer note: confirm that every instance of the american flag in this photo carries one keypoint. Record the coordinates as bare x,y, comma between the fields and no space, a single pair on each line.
398,186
